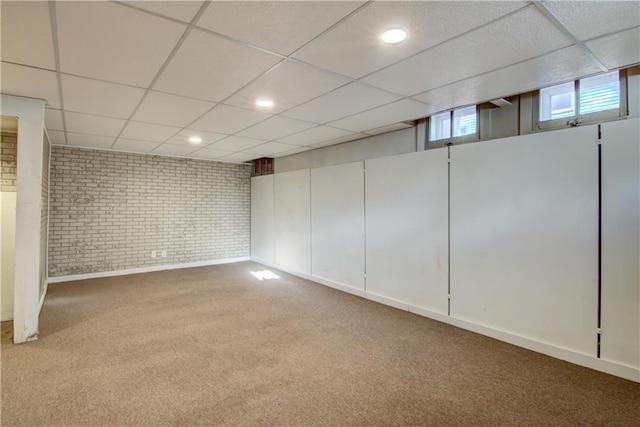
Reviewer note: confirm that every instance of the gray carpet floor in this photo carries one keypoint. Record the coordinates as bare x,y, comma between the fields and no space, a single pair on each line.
215,346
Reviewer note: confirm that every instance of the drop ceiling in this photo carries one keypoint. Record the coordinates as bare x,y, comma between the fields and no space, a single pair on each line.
145,76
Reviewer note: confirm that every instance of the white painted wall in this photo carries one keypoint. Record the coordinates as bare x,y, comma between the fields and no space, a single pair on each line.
524,223
406,211
292,214
30,113
384,145
337,224
621,242
524,242
7,252
262,220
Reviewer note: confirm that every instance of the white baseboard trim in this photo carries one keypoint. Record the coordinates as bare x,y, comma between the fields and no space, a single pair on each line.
150,269
565,354
627,372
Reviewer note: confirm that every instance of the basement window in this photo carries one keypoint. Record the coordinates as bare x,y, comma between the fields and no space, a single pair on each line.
459,125
440,126
464,121
581,101
557,102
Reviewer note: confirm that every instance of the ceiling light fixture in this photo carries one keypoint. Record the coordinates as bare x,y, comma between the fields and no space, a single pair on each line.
264,103
195,140
395,35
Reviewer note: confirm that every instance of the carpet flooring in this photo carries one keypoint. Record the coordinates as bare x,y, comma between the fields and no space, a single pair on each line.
215,346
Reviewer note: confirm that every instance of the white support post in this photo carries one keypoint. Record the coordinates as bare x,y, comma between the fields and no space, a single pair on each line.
30,114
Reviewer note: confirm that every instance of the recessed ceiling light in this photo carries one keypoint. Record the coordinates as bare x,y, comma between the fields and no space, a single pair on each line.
395,35
265,103
195,140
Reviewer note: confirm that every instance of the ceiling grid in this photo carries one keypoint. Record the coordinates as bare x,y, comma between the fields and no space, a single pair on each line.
140,86
164,66
564,29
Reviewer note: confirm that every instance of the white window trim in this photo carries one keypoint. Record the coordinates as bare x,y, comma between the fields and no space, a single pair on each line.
579,119
443,142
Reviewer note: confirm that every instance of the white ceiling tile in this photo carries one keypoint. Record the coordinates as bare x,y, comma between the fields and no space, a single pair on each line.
521,36
398,111
566,64
354,48
617,50
30,82
53,119
276,127
588,19
205,153
91,141
106,41
26,34
56,137
278,26
211,67
238,157
174,150
236,143
270,149
181,10
315,135
350,99
226,119
389,128
341,140
172,110
148,132
94,125
207,138
288,84
103,99
123,144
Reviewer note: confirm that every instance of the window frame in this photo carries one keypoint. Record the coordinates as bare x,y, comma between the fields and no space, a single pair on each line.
580,119
443,142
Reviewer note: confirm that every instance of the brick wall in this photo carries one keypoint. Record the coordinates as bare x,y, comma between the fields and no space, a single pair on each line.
8,153
109,210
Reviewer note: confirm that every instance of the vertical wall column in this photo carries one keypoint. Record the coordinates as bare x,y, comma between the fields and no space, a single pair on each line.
30,113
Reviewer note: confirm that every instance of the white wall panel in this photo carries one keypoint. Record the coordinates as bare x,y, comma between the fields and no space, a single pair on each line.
621,242
262,221
337,224
292,212
406,228
524,244
388,144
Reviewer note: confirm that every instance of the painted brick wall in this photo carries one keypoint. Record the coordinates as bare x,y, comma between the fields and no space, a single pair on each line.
110,210
8,152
